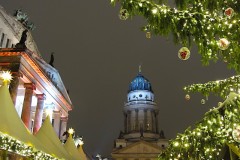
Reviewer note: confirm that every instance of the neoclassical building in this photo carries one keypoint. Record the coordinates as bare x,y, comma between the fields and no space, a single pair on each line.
36,88
141,138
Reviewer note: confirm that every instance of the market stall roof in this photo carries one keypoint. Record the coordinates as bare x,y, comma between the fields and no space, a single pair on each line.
82,153
12,125
72,149
48,137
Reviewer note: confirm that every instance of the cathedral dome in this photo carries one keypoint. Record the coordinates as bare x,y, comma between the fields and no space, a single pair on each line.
140,83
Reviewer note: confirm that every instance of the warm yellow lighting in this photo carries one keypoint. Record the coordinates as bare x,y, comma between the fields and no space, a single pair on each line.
176,144
81,142
6,76
154,11
71,131
49,112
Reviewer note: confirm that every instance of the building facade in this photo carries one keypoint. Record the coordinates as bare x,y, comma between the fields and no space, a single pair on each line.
36,88
141,138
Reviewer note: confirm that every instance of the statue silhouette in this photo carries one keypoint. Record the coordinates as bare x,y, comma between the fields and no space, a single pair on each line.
23,39
52,59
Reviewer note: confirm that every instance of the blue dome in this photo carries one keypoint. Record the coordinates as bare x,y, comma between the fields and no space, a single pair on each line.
140,83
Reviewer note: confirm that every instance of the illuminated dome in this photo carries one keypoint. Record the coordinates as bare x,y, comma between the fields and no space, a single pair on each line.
140,83
140,89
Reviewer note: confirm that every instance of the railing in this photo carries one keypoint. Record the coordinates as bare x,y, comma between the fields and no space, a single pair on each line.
140,102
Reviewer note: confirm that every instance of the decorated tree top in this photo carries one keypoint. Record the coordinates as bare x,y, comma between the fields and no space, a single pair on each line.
212,25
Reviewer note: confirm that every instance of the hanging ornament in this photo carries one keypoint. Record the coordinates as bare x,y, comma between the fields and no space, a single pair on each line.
223,44
203,101
123,14
225,59
184,53
236,133
187,97
219,104
148,35
229,12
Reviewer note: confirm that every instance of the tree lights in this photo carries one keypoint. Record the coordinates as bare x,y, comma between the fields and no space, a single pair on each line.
10,144
218,127
203,22
220,87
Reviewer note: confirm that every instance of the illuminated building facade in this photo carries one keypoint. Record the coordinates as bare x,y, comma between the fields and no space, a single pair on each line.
37,88
141,139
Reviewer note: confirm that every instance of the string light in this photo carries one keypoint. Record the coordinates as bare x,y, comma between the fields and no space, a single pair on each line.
193,21
10,144
71,131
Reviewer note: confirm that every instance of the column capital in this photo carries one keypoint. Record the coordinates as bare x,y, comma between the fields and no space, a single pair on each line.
30,86
41,96
65,119
57,111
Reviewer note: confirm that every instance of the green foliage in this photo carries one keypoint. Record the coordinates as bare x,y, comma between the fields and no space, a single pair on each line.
207,140
197,21
10,144
220,87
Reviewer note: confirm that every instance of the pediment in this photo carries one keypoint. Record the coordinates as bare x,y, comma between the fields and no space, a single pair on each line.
140,147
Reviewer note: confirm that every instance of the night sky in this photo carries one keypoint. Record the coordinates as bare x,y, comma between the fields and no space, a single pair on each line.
97,55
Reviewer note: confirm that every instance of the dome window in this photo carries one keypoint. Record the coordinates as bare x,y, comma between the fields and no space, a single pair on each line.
140,95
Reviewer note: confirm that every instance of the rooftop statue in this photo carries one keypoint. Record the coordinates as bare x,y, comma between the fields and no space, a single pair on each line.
23,39
21,16
52,59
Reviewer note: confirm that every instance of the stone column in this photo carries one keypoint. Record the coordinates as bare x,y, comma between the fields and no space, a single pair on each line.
26,111
141,119
156,118
137,123
149,120
145,120
128,121
153,122
39,112
63,127
13,88
125,122
133,120
57,118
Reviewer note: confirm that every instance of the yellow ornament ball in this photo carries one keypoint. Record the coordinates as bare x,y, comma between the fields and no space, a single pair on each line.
187,97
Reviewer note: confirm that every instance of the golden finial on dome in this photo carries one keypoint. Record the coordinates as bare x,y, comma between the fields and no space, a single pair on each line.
140,68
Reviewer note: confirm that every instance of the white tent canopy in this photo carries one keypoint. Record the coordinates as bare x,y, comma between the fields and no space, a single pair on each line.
71,149
82,154
48,137
12,125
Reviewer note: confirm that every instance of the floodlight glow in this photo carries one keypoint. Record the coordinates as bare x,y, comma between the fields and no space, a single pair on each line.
71,131
81,142
49,112
6,76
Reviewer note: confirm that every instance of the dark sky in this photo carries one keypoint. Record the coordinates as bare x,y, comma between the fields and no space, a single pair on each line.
98,55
